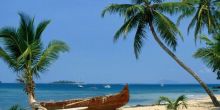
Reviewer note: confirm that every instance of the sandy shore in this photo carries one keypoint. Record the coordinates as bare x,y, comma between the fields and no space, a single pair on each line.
203,103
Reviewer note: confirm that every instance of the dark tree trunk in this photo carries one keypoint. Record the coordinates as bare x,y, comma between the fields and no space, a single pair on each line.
189,70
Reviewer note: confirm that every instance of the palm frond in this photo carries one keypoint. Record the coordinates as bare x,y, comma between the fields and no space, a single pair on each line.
203,52
26,28
49,55
164,99
185,14
196,21
173,7
4,55
167,29
133,11
20,79
116,9
126,10
209,56
11,41
40,28
206,40
191,24
127,27
183,105
139,38
30,55
181,101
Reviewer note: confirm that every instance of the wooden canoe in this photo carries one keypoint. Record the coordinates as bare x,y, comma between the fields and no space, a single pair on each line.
110,102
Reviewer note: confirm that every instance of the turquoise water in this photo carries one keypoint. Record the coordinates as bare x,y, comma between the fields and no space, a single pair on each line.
144,94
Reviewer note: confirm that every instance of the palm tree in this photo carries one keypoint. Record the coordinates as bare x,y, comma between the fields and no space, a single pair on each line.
205,14
211,53
23,51
174,104
143,14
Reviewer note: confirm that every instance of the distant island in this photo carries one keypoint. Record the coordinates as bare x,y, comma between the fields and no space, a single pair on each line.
0,82
66,82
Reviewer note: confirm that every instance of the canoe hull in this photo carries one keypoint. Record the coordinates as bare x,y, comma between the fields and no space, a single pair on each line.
111,102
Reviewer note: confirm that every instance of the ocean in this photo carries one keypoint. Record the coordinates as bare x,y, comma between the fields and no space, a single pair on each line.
142,94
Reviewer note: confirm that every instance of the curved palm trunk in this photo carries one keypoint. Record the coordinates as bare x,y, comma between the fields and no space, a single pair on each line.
31,100
189,70
33,103
31,96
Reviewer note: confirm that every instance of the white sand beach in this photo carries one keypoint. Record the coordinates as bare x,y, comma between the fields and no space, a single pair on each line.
203,103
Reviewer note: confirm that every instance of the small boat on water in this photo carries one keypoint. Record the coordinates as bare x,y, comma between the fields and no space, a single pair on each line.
109,102
107,86
80,86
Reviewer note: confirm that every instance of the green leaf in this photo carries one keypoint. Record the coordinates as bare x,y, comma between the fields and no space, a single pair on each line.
12,41
40,28
167,29
121,9
127,27
4,55
173,7
139,38
210,54
49,55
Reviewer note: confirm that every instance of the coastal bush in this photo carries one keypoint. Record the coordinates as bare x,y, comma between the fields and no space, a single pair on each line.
16,107
180,102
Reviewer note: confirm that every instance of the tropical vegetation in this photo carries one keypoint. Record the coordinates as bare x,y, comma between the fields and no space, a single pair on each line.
180,102
145,16
22,49
16,107
210,54
204,13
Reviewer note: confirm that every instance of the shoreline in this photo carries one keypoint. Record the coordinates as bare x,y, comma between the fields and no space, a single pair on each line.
200,103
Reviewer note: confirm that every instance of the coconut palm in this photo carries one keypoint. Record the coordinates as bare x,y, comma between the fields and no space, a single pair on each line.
23,51
205,14
180,102
147,16
211,53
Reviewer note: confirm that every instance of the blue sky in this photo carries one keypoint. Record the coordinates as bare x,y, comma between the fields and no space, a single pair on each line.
93,57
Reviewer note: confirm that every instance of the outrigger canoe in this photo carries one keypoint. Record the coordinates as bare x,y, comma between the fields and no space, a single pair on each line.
110,102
